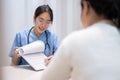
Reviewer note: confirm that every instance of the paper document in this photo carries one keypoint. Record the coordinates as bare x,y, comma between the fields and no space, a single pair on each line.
33,53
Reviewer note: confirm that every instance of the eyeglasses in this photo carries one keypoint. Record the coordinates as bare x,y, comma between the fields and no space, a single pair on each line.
42,21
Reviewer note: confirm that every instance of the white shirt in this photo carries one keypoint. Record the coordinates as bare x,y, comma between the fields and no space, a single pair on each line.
89,54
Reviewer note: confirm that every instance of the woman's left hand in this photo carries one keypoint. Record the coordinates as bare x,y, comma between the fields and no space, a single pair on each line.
48,60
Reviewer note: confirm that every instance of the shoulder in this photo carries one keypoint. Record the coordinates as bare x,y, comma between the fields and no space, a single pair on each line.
80,37
90,34
51,33
23,32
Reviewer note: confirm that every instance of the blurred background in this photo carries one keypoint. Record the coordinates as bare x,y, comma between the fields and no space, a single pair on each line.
16,15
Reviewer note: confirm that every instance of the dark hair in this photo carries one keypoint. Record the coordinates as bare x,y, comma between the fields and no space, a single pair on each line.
110,9
43,8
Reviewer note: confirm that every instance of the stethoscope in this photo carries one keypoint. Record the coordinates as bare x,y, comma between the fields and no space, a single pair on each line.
46,38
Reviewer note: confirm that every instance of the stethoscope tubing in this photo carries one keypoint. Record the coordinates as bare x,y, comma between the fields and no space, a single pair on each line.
45,34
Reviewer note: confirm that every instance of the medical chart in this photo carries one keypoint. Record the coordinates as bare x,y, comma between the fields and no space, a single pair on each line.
33,53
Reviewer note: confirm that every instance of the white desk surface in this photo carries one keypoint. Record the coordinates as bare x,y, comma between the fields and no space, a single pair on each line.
19,73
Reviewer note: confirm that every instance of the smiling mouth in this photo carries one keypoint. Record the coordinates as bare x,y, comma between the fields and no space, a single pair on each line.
41,29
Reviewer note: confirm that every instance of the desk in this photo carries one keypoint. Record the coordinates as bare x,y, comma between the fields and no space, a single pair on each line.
19,73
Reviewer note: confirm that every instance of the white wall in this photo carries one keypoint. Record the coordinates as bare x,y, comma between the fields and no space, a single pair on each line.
13,20
68,17
18,14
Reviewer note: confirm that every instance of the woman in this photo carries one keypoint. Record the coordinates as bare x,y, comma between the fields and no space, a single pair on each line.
94,52
43,17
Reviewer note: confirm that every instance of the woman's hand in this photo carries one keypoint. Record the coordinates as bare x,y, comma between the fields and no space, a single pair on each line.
16,57
48,60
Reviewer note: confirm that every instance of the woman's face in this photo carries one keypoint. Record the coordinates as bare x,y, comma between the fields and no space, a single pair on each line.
42,22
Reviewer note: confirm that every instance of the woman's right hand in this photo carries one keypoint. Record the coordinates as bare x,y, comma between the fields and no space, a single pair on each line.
16,57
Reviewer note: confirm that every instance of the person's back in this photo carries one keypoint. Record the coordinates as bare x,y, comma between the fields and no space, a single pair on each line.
89,54
94,52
